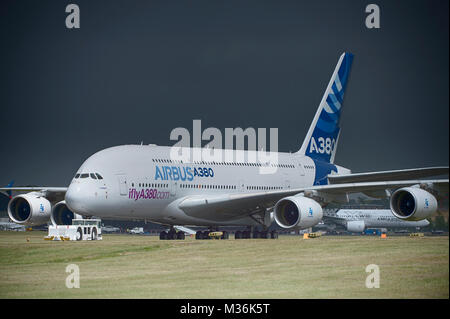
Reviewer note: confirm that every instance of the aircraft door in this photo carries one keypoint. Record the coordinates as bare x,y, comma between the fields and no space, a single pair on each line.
123,188
287,184
173,188
301,169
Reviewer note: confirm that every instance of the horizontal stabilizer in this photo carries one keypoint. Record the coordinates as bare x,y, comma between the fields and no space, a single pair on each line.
395,175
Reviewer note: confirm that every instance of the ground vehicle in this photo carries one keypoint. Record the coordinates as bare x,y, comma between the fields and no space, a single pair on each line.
81,229
137,230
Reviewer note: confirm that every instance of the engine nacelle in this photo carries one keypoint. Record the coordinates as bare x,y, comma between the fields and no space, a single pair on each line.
29,209
356,226
297,212
412,203
62,215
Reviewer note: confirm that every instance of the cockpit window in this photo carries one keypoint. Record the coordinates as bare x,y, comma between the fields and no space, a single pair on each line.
99,176
84,175
93,176
77,175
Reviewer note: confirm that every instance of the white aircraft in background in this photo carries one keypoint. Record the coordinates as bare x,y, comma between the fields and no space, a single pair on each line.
358,220
143,182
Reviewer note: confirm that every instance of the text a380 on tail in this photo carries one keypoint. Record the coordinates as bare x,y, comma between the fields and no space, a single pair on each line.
144,182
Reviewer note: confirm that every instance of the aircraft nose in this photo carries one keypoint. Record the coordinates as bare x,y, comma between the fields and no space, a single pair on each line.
76,198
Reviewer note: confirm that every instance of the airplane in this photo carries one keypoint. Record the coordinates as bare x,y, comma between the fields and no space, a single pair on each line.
358,220
145,182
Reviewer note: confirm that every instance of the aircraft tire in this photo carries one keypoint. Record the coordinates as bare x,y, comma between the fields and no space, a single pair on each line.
180,235
94,234
264,235
79,234
172,235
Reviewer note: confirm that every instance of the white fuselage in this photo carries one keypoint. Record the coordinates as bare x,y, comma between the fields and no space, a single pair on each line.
142,182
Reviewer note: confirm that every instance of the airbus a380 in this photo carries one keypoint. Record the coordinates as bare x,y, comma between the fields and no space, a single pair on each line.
144,182
357,220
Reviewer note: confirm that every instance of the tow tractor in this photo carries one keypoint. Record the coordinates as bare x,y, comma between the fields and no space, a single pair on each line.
81,229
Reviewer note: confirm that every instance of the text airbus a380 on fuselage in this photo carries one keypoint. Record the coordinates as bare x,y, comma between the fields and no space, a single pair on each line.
237,188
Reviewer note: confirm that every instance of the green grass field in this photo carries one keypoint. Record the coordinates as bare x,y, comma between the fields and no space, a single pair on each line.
125,266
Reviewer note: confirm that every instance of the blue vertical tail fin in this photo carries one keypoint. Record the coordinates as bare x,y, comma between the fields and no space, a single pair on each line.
321,140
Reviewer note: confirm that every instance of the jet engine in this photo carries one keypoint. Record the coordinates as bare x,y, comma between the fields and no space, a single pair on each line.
356,226
62,215
297,212
29,209
412,203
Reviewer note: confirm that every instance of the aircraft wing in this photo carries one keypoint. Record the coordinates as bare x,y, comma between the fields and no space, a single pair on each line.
333,219
51,193
395,175
229,206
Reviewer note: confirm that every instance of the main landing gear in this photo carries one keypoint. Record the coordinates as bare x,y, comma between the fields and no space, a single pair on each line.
209,234
172,234
246,234
254,233
250,232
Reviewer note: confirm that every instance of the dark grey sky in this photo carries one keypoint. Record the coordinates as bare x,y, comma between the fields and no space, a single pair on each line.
137,69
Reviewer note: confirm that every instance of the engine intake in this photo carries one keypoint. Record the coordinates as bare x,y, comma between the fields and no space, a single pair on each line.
412,203
297,212
62,215
29,209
